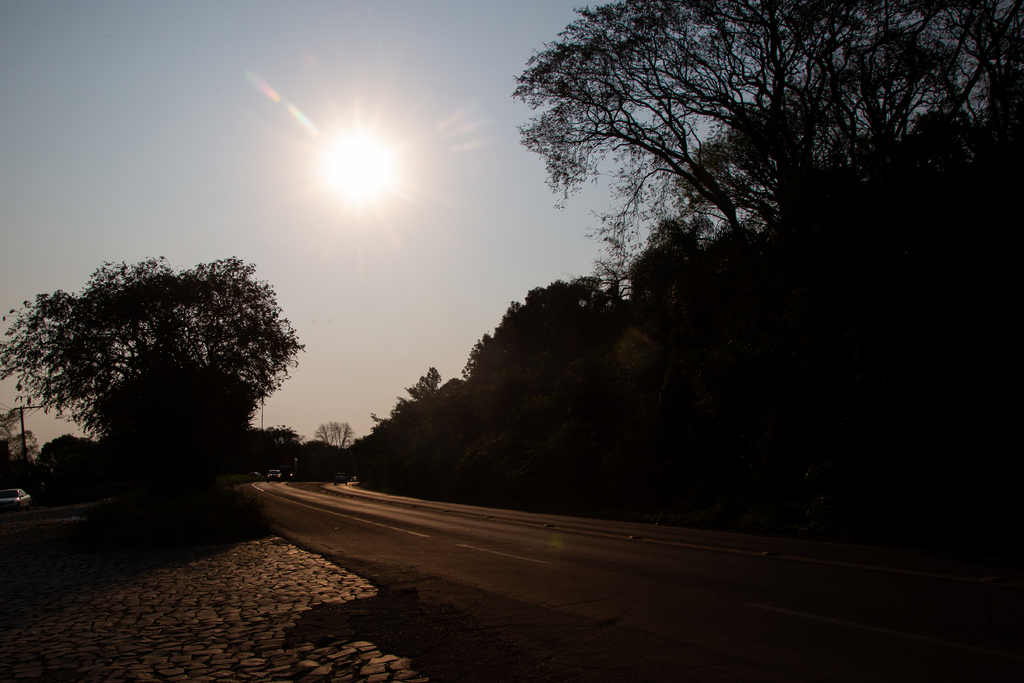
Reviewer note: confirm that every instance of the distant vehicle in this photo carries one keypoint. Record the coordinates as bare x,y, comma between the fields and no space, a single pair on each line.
274,475
254,474
287,473
14,499
340,478
354,480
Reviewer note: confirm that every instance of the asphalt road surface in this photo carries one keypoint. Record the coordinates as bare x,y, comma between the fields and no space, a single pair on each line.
476,594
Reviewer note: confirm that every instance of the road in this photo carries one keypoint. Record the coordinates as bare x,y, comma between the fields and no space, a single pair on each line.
592,600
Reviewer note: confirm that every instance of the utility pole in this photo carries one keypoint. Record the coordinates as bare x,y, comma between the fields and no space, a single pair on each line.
24,443
24,439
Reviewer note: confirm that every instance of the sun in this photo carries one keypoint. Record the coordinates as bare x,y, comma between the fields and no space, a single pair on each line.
360,167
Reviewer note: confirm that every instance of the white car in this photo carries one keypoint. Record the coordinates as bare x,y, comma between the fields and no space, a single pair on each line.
14,499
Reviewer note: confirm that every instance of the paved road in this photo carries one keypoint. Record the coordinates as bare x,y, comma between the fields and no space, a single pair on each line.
595,600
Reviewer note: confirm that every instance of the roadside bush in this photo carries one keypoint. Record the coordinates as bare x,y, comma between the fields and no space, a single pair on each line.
140,520
227,480
54,497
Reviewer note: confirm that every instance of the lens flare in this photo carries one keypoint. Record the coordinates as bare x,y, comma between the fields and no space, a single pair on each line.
465,129
303,119
262,86
274,97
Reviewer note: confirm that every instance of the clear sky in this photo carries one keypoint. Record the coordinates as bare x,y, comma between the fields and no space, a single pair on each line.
204,130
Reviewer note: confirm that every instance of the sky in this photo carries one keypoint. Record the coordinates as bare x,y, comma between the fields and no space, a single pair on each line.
198,131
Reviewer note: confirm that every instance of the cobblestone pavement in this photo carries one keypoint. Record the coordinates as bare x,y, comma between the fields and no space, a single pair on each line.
214,613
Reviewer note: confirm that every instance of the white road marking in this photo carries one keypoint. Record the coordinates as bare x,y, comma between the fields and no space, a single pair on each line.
495,552
889,632
331,512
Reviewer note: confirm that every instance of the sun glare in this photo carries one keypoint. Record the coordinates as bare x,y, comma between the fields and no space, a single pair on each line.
360,168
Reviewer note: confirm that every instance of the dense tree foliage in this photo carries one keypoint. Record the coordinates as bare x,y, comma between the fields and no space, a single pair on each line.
819,337
166,366
73,459
738,101
538,385
73,469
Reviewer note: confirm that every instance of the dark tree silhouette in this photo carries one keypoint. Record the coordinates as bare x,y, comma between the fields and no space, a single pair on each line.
819,335
725,107
426,386
10,433
337,434
166,366
71,457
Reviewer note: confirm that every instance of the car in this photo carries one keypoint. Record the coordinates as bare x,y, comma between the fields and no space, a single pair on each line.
340,478
14,499
354,480
254,474
274,475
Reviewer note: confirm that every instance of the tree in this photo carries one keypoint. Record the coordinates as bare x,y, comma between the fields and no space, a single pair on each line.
337,434
10,433
727,106
75,468
19,451
427,385
69,455
157,362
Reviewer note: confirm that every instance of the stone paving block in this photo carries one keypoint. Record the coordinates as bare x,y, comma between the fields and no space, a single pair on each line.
403,663
216,613
32,673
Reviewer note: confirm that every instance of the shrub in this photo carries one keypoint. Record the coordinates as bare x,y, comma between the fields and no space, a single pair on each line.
139,520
